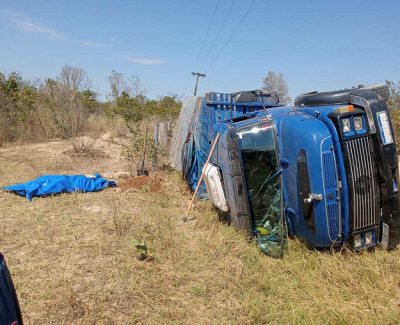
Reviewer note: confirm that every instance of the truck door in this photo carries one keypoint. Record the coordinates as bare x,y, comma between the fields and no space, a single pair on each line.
311,180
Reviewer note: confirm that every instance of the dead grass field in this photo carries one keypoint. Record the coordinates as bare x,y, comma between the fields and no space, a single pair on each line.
73,261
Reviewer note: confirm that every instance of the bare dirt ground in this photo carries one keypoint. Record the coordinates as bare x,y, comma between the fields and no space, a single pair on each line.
140,182
74,261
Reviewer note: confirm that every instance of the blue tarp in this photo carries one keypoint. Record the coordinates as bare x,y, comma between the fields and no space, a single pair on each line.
201,138
195,150
52,184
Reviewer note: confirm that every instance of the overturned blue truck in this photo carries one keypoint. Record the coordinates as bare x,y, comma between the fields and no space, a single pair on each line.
324,169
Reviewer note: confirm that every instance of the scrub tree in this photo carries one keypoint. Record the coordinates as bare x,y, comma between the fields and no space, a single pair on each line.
394,101
120,84
275,82
394,109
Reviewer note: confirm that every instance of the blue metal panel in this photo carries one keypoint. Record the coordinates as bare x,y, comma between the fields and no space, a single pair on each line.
293,139
323,116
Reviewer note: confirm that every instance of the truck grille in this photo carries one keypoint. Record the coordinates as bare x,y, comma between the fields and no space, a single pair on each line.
362,180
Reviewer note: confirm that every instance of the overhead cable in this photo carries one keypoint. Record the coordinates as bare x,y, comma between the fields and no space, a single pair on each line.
209,27
237,27
219,32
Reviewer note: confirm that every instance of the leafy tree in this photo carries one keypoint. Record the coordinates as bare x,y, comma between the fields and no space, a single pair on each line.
90,101
129,108
17,100
275,82
165,108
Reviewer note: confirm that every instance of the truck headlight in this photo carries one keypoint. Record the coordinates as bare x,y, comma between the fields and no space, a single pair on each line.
346,125
369,238
358,123
357,241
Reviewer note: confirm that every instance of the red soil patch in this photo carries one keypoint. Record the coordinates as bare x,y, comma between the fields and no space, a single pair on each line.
139,182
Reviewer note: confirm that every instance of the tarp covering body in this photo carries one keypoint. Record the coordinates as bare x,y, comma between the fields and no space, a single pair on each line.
181,130
52,184
201,137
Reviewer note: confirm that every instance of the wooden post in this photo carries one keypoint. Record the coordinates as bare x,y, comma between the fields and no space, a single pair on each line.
201,177
144,145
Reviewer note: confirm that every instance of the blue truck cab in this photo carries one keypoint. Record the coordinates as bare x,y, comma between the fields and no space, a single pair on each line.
324,169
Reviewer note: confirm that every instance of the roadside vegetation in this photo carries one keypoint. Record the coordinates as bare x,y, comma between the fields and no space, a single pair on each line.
67,106
123,255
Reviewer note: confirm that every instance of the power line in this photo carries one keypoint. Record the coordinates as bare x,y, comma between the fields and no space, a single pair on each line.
209,27
219,32
231,35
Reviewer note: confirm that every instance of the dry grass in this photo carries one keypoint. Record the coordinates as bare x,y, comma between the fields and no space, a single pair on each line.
73,262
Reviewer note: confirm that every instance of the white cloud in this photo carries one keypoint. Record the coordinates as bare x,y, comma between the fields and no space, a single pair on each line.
30,25
88,43
143,60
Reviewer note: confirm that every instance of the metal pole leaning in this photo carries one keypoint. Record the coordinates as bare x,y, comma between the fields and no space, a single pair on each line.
185,218
197,74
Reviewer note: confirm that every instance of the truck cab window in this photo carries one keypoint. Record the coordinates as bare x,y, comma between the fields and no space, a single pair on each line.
259,156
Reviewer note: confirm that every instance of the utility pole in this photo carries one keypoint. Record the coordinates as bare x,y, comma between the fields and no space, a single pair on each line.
197,74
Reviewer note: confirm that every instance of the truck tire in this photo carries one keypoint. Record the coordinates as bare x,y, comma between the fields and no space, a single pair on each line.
339,96
187,159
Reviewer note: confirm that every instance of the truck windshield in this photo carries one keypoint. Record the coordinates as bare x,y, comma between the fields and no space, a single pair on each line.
259,156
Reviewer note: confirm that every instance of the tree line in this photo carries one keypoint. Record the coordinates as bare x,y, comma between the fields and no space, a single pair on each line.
60,107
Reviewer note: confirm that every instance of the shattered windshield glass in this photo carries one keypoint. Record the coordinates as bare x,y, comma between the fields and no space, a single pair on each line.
258,149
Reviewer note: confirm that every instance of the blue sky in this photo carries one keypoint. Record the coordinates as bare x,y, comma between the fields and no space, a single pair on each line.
318,45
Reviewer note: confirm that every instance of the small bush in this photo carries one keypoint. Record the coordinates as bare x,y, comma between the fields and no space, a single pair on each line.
83,144
119,126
